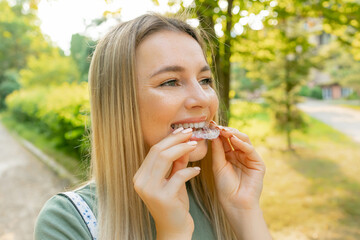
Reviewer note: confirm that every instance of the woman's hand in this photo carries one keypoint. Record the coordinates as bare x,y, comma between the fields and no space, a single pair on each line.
238,170
166,197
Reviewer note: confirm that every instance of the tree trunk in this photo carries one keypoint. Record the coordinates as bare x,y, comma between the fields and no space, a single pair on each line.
288,106
288,139
226,67
221,56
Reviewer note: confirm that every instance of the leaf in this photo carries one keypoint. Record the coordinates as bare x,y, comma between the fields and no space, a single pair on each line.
156,2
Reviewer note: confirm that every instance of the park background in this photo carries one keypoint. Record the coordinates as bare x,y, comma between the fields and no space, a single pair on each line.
269,58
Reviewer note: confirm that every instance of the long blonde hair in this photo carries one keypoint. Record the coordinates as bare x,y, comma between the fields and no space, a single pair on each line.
117,142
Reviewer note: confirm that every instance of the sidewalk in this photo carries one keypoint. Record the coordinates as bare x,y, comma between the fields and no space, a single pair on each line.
343,119
26,184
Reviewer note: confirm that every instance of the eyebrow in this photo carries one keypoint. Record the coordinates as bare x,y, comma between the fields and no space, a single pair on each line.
176,68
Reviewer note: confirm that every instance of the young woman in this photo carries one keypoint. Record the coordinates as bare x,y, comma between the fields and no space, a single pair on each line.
155,173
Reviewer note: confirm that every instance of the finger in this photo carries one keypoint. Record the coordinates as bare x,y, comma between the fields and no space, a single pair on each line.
160,169
226,144
179,164
169,156
225,140
245,147
228,132
178,136
252,158
239,163
180,178
218,155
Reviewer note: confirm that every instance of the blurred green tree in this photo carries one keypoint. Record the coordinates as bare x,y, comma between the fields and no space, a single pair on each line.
341,65
81,49
20,37
342,19
282,56
49,69
243,86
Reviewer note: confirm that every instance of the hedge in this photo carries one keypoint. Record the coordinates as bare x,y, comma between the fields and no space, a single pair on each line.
60,112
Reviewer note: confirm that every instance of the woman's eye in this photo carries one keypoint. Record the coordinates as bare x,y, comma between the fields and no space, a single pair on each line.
171,83
206,81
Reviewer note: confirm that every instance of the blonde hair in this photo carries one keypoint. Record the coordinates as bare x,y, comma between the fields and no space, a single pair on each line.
117,142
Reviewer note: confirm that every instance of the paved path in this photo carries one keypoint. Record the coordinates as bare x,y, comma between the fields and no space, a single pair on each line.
25,185
343,119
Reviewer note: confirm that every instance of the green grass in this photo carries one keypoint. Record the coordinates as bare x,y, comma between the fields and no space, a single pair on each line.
312,192
31,133
353,104
356,107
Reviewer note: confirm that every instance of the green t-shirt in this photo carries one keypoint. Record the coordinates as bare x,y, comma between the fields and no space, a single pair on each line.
59,219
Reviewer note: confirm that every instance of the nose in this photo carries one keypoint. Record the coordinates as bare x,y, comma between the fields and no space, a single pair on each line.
197,96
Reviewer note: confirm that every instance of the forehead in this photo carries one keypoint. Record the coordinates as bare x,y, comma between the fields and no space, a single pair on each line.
169,48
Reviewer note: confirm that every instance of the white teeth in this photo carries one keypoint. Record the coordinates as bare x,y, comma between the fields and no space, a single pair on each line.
189,125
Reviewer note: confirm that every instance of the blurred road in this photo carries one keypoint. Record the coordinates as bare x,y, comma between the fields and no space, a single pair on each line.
343,119
25,185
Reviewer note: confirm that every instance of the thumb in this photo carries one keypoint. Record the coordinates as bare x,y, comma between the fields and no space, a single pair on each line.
218,155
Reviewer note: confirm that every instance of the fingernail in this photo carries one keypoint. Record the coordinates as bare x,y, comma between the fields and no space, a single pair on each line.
213,122
187,130
192,143
197,168
178,130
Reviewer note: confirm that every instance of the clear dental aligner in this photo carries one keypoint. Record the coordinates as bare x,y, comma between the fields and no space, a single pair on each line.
206,133
201,130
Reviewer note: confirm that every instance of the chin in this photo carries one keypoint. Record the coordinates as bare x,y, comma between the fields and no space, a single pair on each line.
200,151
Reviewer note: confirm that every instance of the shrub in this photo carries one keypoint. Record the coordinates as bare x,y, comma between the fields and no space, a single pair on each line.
316,92
353,96
8,85
304,91
60,112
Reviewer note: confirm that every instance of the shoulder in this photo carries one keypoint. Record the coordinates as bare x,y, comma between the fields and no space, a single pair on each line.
88,193
59,219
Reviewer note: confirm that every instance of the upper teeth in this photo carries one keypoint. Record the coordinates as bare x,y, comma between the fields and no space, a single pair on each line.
190,125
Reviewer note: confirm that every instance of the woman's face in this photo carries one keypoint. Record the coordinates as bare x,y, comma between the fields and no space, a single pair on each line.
173,80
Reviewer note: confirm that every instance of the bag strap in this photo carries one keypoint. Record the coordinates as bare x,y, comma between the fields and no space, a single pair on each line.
85,212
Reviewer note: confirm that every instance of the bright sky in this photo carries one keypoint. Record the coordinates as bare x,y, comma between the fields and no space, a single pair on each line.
62,18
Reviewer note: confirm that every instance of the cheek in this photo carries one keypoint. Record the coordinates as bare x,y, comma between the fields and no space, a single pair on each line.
214,104
156,116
